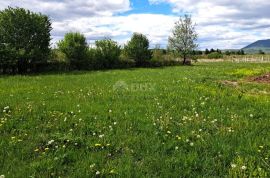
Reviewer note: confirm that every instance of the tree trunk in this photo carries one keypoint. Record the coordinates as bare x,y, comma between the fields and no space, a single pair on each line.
184,61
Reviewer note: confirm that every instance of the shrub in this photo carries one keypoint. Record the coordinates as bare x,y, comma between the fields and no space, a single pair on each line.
137,49
107,53
75,47
58,56
157,54
26,34
261,52
215,55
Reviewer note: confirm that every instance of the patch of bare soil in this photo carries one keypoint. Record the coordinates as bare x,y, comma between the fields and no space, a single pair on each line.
263,78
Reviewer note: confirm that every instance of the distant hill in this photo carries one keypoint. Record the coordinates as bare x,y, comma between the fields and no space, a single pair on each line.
255,47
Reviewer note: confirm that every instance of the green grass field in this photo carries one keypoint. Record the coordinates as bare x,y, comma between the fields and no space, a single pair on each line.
163,122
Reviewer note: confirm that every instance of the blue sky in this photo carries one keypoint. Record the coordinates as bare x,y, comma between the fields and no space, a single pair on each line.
143,6
223,24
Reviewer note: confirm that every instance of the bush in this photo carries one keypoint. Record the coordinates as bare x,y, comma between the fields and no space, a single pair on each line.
107,53
58,56
28,34
215,55
137,49
75,47
8,59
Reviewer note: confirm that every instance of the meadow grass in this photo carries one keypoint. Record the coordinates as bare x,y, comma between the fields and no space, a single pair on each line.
163,122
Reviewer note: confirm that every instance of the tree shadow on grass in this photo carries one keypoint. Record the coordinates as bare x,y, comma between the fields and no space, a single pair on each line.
82,72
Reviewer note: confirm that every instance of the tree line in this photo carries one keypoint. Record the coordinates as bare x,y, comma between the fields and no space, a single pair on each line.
25,47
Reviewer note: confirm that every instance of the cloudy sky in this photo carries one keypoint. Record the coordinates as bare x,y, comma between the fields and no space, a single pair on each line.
223,24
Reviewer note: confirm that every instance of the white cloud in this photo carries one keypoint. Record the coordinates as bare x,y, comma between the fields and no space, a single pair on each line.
156,26
64,9
220,23
226,23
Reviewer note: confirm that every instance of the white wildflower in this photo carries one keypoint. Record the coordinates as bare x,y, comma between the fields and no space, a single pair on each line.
50,142
243,167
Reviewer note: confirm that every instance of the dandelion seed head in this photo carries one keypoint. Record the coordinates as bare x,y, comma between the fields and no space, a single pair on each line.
50,142
243,167
233,165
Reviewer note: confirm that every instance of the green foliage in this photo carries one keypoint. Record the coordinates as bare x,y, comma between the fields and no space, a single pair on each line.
235,52
261,52
58,56
27,33
215,55
184,37
157,53
75,47
207,51
107,53
137,49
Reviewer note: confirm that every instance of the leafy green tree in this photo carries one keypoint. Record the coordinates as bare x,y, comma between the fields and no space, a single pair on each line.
219,51
137,49
261,52
215,55
228,53
207,51
183,38
240,52
107,53
75,47
27,33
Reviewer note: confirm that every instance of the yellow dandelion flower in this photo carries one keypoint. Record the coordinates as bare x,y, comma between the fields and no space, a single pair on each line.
97,145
